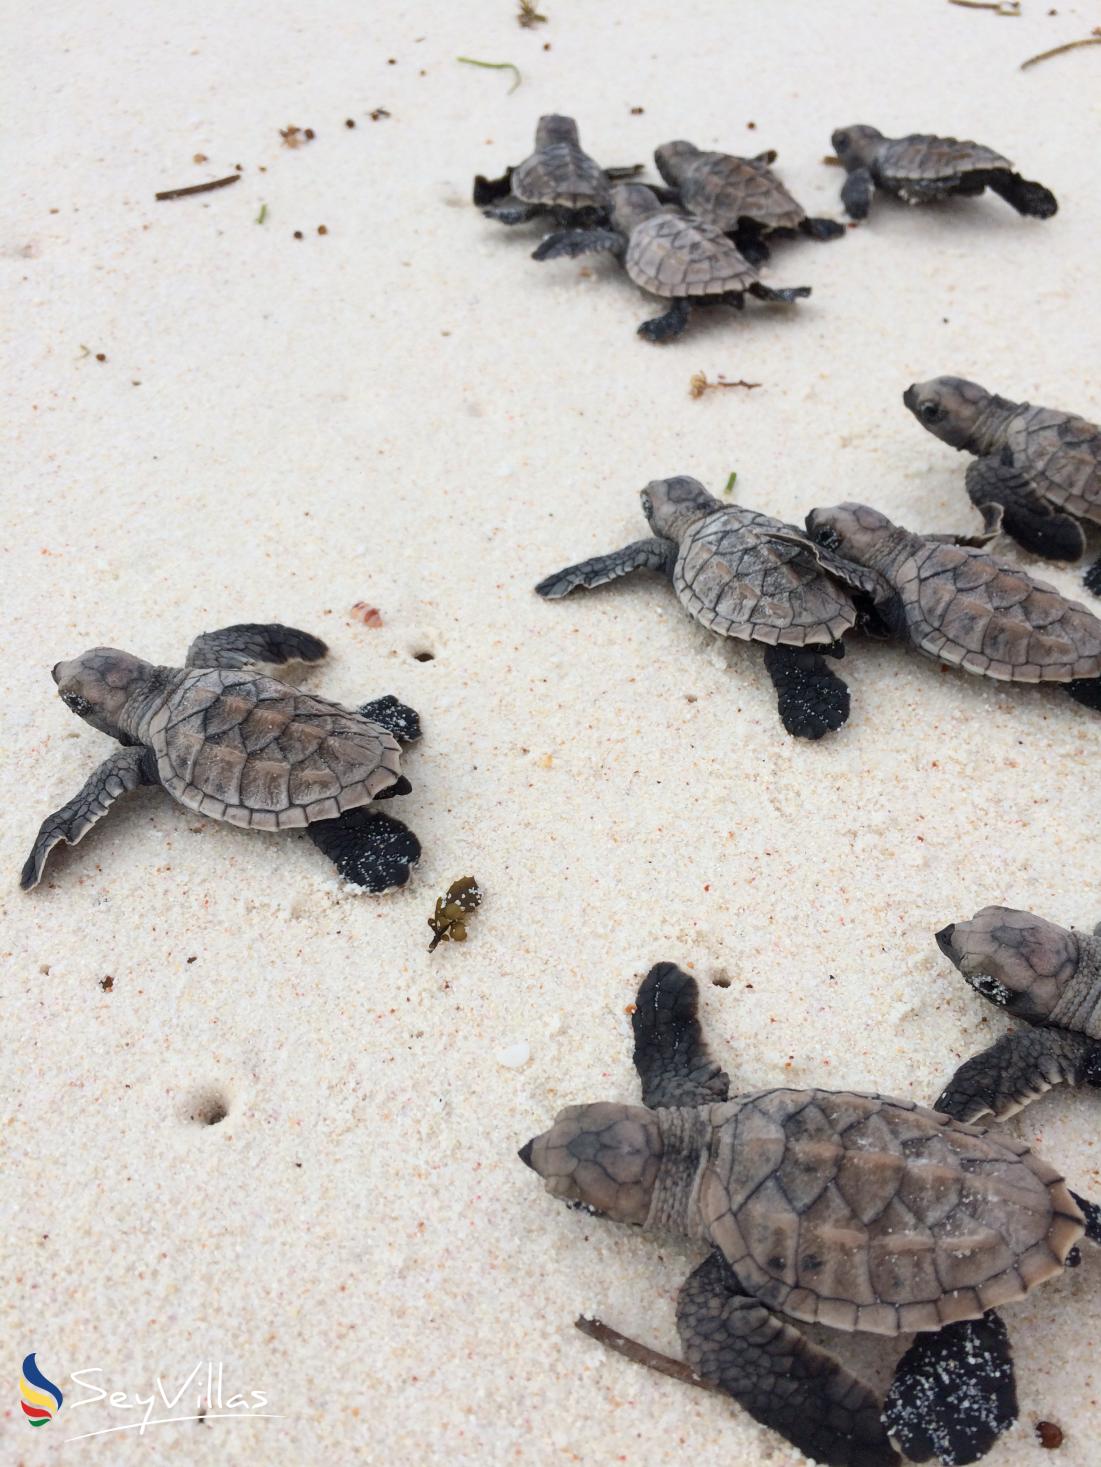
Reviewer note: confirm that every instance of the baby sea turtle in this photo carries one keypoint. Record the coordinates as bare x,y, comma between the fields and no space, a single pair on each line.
736,575
1043,974
1041,466
961,605
232,744
740,196
683,260
849,1210
558,179
920,168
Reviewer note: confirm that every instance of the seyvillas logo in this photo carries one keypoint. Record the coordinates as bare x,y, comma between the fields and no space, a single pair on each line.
40,1398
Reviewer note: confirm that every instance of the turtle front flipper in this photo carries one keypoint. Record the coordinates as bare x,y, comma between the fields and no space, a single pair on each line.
1092,1214
734,1342
653,554
821,228
811,698
125,770
1020,1067
368,848
1033,524
512,211
856,193
491,190
396,718
669,325
954,1392
671,1055
573,242
1026,197
253,643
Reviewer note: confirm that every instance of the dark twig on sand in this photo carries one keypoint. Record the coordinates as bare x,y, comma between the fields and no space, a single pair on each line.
1094,40
603,1333
198,188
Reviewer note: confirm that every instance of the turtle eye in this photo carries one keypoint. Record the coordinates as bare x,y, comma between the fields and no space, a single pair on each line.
929,412
990,989
80,706
828,538
841,141
586,1207
647,506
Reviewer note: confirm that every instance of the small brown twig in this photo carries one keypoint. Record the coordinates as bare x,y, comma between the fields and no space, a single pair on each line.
832,161
528,16
699,384
999,7
604,1334
197,188
1091,40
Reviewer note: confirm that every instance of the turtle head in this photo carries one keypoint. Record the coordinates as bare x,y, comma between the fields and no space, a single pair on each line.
856,146
632,204
552,127
604,1158
673,505
98,684
852,530
950,407
1015,960
673,158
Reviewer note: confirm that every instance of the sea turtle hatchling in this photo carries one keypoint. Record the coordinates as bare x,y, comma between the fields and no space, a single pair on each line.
680,259
743,575
230,743
559,179
849,1210
1043,974
740,196
958,604
920,168
1040,465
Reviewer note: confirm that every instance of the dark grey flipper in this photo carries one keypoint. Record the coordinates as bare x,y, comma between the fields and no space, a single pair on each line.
512,211
1026,197
573,242
653,554
1032,523
1020,1067
124,770
953,1393
671,1055
750,243
1092,1213
403,722
253,642
403,787
368,848
1092,579
811,698
822,228
856,193
777,1375
668,325
492,190
784,294
1087,691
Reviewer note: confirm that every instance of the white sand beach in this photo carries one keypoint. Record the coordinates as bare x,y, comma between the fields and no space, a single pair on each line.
406,411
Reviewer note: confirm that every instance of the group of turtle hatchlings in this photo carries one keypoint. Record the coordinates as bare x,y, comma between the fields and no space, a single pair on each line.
698,238
850,1210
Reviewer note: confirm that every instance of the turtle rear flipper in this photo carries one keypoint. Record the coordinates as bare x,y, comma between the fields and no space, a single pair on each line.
811,698
254,643
671,1055
995,479
574,242
124,770
396,718
782,295
1000,1080
368,848
953,1393
734,1342
856,193
1026,197
1092,1214
821,228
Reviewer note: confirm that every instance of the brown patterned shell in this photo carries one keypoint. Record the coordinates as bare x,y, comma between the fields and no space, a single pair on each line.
674,257
560,176
986,615
922,158
1061,454
734,577
256,752
871,1214
724,189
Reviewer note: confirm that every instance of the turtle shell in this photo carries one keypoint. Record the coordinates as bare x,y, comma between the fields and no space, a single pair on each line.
738,577
724,189
922,158
256,752
871,1214
986,615
560,176
674,257
1061,454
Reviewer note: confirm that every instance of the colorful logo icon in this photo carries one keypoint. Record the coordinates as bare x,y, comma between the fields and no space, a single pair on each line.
41,1399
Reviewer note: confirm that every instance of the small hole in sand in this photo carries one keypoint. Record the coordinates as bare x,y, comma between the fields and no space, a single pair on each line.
208,1108
721,982
424,656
